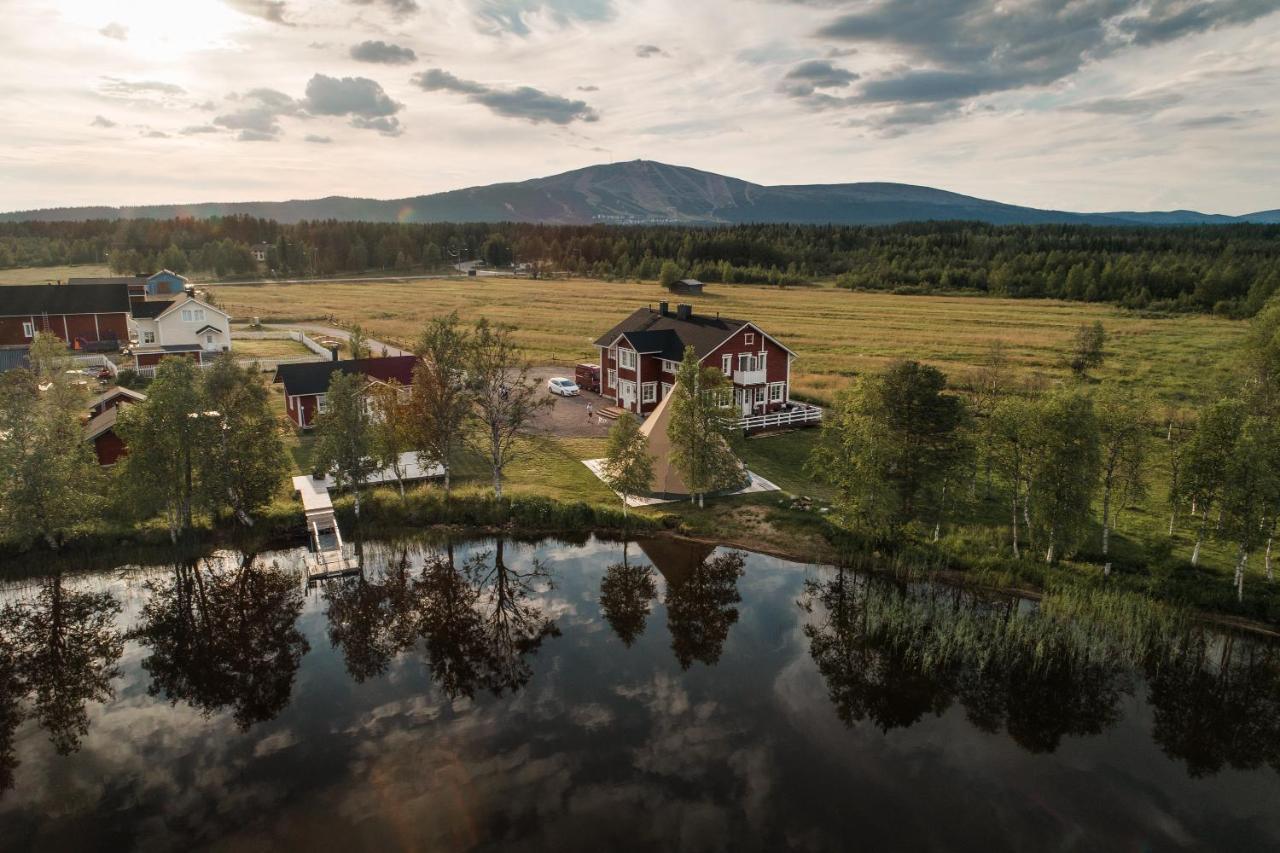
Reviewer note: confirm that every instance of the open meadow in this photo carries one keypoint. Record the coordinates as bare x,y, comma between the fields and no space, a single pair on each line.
835,333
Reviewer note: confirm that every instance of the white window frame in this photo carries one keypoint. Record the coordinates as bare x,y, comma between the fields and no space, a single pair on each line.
669,366
666,390
186,315
627,359
613,378
208,338
198,315
625,386
748,361
148,336
777,392
613,354
760,396
322,404
28,329
648,392
749,338
726,364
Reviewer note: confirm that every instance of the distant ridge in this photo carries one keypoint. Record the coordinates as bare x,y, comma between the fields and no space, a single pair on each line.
646,192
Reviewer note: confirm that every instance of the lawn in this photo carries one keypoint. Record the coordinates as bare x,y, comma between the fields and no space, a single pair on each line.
42,275
835,333
265,348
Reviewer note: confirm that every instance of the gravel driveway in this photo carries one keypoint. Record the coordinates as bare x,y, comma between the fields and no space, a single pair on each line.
568,417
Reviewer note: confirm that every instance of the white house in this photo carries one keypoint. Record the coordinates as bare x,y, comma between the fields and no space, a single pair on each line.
180,326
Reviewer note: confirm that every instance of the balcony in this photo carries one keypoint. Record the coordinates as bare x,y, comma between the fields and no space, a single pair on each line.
749,377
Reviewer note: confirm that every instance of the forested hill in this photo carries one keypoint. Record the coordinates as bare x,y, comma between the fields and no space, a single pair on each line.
1229,269
645,192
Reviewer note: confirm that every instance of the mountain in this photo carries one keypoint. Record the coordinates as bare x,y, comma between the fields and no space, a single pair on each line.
642,191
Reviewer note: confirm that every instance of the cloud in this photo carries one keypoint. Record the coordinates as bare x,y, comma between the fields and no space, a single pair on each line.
1219,119
362,99
115,31
258,115
317,139
398,8
267,10
102,121
513,16
588,88
962,49
805,79
196,129
644,51
523,102
1132,105
115,87
155,134
380,51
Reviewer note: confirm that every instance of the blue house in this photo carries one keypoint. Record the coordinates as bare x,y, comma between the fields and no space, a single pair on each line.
164,283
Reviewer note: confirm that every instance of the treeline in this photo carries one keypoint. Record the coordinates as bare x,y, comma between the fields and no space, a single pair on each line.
1230,270
909,459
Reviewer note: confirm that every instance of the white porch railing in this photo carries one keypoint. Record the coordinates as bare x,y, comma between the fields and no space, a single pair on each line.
148,371
749,377
795,416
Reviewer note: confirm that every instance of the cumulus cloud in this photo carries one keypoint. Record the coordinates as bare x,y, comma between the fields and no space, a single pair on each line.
197,129
116,31
155,134
644,51
381,51
102,121
515,16
360,98
961,49
258,113
398,8
115,87
523,102
805,79
268,10
588,88
317,139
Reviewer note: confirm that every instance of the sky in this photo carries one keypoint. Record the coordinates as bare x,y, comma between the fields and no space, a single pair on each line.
1085,105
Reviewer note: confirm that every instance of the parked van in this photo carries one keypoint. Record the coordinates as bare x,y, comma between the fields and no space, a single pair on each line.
588,377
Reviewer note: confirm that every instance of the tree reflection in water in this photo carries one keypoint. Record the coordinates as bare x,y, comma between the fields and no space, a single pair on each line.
625,595
1217,703
224,636
892,653
60,649
478,621
701,608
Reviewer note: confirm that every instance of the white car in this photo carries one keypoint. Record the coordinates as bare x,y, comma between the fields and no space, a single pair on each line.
563,387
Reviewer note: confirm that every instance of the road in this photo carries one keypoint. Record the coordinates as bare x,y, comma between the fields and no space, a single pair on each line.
462,270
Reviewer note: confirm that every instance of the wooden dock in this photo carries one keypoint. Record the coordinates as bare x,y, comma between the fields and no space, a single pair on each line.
329,558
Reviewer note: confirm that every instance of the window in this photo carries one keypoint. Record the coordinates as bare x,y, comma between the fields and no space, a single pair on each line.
613,378
776,392
28,330
666,390
726,365
759,395
749,338
193,315
322,404
186,315
613,354
627,389
149,337
669,366
748,361
208,339
199,315
649,392
627,359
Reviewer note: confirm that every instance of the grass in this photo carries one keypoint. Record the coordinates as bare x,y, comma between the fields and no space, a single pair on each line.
835,333
42,275
268,348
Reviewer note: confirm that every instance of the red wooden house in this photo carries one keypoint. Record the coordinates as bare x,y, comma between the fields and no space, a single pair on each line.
89,317
639,358
307,385
100,429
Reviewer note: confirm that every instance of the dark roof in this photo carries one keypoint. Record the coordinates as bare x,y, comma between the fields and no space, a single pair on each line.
11,358
313,377
102,423
203,329
112,393
27,299
665,342
109,279
701,332
151,309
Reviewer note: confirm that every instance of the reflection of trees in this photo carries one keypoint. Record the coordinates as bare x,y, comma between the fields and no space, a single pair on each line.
1217,702
891,654
700,608
224,637
477,621
625,593
60,649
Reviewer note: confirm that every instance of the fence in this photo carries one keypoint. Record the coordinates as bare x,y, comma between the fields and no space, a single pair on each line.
96,361
314,346
795,416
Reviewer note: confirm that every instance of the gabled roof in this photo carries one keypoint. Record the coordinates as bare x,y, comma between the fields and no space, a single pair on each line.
112,393
181,302
203,329
102,423
699,331
665,343
313,377
152,309
28,299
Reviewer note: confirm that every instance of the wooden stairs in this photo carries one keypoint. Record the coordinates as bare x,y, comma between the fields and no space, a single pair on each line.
611,413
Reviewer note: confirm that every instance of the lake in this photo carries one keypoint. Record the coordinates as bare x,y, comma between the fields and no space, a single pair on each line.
557,696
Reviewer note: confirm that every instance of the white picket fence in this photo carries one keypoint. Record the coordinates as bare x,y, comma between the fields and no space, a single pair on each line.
795,416
95,361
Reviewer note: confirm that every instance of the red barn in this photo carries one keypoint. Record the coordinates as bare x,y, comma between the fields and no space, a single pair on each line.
100,430
639,358
307,385
86,316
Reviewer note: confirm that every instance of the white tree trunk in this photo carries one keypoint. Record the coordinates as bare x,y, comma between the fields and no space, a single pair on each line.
1240,567
1106,517
1015,525
1270,574
1195,552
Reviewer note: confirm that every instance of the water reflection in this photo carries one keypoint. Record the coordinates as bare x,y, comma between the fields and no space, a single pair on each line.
223,634
480,621
626,592
59,650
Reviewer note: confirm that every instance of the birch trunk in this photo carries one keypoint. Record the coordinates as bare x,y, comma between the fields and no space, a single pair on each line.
1195,552
1106,516
1270,574
1015,525
1048,555
1240,567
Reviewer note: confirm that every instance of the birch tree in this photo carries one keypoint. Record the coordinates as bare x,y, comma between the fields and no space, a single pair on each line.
1123,434
503,402
628,464
441,400
244,462
1087,348
344,440
1250,491
391,428
700,430
1010,437
1207,455
1065,461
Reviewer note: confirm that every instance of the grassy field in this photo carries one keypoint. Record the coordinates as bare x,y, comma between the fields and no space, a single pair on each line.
268,348
41,275
835,333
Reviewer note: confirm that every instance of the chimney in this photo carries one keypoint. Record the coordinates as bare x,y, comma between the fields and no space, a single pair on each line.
333,352
684,311
664,308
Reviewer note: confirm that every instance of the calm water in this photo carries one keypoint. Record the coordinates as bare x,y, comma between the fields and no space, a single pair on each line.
554,697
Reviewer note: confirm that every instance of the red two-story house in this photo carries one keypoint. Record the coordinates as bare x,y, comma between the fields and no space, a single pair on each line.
639,358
